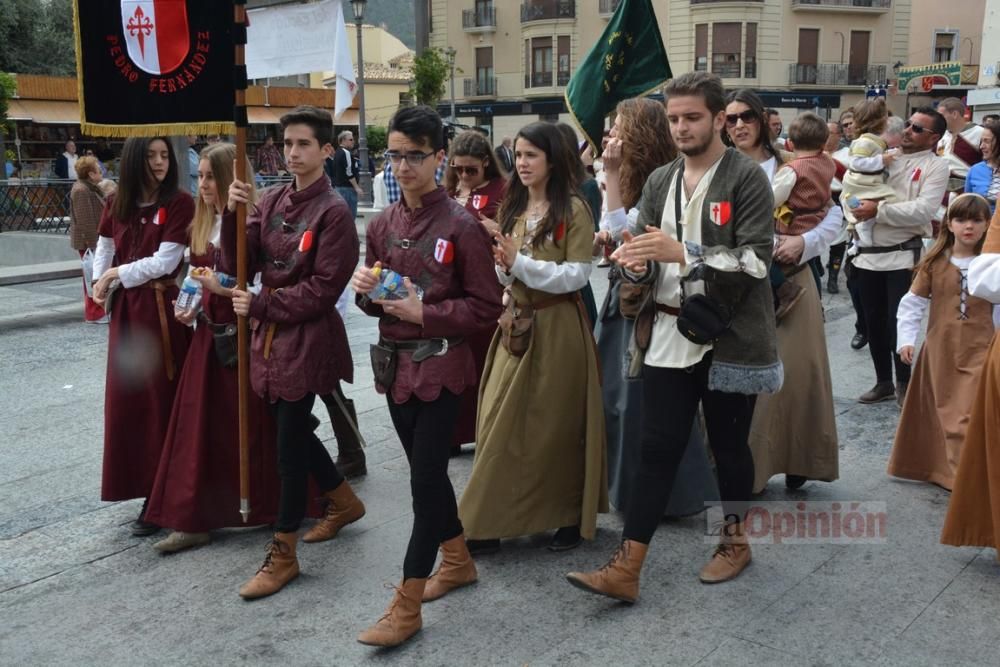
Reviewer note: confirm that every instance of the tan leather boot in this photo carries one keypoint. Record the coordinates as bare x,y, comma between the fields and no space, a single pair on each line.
619,578
730,558
280,566
401,620
457,569
343,508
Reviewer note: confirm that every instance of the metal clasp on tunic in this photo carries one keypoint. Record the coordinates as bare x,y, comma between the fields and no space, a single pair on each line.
405,244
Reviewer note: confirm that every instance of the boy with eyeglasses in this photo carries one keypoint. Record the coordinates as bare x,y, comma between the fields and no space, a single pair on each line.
421,362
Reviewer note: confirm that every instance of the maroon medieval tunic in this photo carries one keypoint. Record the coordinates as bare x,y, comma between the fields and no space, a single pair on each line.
305,245
484,201
141,375
445,251
197,484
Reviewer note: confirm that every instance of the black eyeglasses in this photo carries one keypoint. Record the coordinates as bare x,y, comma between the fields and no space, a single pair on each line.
414,159
747,117
916,128
459,169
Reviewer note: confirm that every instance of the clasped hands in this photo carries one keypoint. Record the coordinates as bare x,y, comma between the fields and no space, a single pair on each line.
653,246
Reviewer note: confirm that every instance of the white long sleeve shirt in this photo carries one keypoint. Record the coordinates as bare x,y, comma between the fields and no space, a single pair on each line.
162,262
984,278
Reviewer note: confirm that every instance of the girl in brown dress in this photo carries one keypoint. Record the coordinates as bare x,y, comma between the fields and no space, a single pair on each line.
974,512
540,461
946,374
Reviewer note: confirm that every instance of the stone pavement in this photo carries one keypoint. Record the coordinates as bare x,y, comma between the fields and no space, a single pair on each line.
76,588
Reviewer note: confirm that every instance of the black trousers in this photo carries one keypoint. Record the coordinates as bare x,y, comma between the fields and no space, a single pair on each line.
300,454
670,398
425,429
881,292
854,289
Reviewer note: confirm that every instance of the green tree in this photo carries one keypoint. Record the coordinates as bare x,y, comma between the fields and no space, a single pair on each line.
377,137
430,71
36,37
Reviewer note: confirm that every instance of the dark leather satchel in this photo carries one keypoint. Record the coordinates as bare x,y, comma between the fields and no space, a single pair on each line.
516,324
224,339
383,364
702,320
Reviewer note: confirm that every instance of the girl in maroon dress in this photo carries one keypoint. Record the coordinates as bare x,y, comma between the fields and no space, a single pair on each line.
197,485
476,180
141,241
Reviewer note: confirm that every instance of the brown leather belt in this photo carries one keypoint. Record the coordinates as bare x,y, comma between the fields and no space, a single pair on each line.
269,338
159,287
551,301
669,310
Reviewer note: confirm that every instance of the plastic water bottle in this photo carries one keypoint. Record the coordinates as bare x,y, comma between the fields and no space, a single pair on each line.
391,287
225,279
189,297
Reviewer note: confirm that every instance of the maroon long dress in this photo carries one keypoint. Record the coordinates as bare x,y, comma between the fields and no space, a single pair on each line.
197,485
486,201
139,392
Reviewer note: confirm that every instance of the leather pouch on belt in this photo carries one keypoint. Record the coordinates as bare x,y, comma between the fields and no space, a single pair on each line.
515,328
383,365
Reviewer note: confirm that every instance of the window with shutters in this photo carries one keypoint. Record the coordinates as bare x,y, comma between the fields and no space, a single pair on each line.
540,62
701,47
944,46
726,49
562,72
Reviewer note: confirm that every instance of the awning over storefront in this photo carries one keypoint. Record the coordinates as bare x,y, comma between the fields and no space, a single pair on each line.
59,112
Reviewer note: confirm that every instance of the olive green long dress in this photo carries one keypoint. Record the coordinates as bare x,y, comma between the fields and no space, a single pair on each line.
541,461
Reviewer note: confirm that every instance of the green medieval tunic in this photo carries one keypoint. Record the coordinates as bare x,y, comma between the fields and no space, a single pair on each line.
540,448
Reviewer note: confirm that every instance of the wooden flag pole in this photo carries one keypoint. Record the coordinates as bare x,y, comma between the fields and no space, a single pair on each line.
241,271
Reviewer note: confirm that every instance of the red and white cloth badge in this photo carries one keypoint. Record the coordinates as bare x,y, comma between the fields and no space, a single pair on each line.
479,202
160,217
444,251
306,242
720,212
916,175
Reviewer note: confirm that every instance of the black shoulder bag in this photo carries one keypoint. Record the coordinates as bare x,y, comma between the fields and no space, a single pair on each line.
701,319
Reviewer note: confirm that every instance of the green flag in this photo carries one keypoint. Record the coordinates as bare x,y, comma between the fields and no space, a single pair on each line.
628,61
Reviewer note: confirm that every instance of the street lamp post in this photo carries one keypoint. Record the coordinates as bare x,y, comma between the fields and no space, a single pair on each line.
451,63
364,176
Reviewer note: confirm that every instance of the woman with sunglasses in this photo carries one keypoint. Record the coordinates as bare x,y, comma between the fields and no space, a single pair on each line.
794,431
540,447
639,143
478,182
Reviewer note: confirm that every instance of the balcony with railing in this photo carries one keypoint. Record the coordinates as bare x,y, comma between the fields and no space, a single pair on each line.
800,74
854,6
547,10
481,87
728,2
606,8
480,19
538,80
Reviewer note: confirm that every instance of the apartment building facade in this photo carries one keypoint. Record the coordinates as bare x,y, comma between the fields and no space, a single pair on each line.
516,57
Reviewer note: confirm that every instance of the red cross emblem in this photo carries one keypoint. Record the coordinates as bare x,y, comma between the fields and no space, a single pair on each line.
479,201
720,212
444,251
136,28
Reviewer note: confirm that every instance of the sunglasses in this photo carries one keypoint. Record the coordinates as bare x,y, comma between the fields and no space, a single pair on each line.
459,169
916,128
747,117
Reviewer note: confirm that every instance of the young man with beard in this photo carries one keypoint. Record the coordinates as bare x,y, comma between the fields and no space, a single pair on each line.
709,229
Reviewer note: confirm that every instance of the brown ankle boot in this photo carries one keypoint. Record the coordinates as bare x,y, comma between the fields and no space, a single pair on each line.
619,578
457,569
401,620
350,455
730,558
280,566
343,507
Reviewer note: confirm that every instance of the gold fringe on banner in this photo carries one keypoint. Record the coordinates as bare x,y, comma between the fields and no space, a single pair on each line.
125,131
161,130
